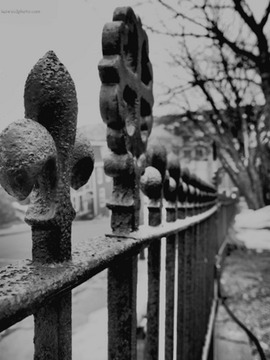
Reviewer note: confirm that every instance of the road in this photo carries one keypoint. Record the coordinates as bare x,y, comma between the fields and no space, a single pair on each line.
17,245
17,342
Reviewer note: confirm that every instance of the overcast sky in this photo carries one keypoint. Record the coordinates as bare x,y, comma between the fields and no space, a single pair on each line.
72,28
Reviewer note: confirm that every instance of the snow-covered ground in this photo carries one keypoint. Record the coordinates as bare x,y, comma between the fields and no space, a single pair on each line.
252,228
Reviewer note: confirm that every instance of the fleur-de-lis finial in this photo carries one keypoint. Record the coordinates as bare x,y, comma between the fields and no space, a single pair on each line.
39,156
126,101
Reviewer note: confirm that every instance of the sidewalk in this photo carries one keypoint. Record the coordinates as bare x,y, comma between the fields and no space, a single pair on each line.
15,229
231,342
242,279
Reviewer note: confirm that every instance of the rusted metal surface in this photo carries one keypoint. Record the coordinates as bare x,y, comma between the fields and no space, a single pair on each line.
188,295
40,157
122,321
152,336
180,295
51,341
186,316
194,197
126,101
152,185
202,279
208,269
212,253
170,195
26,286
153,179
170,294
197,294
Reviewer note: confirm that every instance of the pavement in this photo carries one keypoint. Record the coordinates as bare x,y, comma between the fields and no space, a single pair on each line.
231,343
250,230
15,229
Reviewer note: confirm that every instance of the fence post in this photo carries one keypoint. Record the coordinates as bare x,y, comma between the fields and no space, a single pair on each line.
38,156
185,251
126,102
170,194
181,199
152,185
197,274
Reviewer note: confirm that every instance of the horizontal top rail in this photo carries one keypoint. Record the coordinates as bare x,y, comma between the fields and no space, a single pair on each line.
25,286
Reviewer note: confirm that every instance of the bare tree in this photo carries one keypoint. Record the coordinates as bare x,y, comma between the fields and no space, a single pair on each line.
221,58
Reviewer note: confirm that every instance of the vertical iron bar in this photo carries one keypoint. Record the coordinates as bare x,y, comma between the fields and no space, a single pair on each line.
156,157
53,330
188,294
209,268
52,322
152,340
180,295
207,272
122,321
212,254
197,291
154,253
202,282
190,291
204,249
170,281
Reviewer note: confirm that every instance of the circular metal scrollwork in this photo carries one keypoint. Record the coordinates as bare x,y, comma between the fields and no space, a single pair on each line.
126,97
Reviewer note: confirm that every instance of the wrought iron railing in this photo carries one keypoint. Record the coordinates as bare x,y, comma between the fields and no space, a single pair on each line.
42,156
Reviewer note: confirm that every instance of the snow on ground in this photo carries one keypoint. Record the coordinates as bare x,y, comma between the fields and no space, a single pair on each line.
252,227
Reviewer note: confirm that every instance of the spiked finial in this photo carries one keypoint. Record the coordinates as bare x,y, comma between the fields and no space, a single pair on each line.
38,157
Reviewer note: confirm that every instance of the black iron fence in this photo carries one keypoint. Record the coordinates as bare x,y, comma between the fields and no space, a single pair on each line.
42,156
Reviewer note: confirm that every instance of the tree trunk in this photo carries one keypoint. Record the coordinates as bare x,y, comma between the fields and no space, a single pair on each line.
247,180
251,191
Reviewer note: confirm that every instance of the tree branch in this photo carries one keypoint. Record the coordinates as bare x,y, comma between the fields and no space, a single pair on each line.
265,16
222,39
248,19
